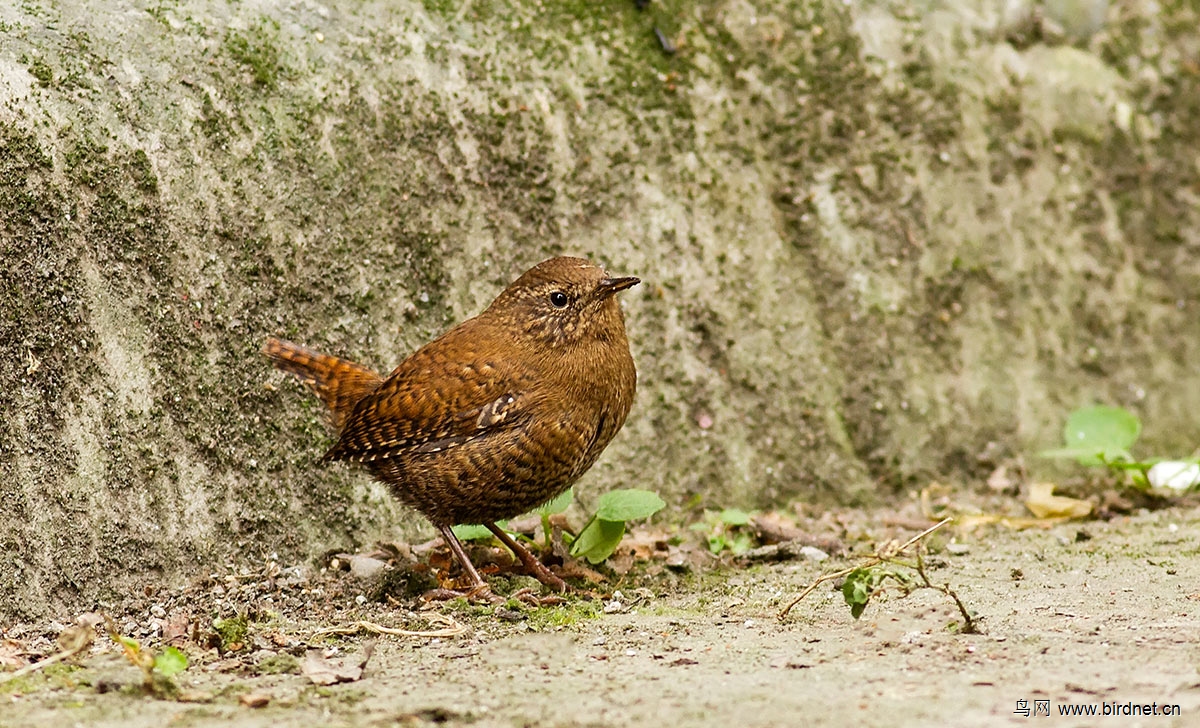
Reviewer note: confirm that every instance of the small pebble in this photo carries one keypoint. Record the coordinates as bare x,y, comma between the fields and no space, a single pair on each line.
254,700
366,567
1173,474
508,615
812,553
958,549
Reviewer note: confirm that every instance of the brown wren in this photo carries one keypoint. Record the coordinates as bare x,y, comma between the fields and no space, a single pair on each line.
498,415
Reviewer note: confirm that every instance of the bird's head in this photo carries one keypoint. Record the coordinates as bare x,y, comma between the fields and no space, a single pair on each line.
564,301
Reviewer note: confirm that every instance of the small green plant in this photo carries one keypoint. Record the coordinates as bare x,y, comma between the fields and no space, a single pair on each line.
563,615
1102,436
603,532
727,530
232,632
158,668
558,505
473,532
871,576
860,585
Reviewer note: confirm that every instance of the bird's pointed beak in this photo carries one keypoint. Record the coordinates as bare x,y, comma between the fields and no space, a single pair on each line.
609,286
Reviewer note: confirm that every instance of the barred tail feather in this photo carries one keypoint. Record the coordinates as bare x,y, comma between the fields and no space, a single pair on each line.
339,383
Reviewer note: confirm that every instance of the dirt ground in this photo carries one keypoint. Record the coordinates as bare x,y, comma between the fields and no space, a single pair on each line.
1079,614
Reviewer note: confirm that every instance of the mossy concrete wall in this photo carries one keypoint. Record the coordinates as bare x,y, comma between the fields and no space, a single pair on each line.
878,239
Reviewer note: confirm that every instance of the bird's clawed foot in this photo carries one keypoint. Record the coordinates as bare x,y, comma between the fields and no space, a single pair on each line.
527,596
533,567
475,593
542,573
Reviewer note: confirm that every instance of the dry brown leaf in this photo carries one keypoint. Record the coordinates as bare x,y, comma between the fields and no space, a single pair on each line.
72,642
773,527
12,654
647,543
621,562
1044,504
324,671
175,632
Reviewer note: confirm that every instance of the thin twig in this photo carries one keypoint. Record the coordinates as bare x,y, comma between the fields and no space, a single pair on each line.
47,662
74,641
922,535
969,625
452,629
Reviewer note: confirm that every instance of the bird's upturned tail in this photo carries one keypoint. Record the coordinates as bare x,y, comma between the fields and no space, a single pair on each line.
339,383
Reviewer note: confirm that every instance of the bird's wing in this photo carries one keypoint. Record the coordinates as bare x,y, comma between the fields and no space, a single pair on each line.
450,392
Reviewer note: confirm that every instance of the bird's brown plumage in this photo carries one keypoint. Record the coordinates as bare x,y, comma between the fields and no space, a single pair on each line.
498,415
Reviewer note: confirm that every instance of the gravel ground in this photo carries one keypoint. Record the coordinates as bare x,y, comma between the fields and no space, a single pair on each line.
1079,615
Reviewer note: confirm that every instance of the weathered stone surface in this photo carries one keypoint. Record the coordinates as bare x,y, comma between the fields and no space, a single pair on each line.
874,240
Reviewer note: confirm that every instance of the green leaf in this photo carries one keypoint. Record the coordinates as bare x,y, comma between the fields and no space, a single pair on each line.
717,543
170,661
475,533
1101,433
558,504
598,540
628,505
734,517
129,642
1073,453
856,590
741,544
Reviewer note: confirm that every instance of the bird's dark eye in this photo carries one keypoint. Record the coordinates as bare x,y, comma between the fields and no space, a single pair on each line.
558,299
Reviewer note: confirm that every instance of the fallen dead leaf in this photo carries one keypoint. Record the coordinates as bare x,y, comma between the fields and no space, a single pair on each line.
1044,504
72,642
11,654
774,527
688,555
78,637
176,630
646,543
324,671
